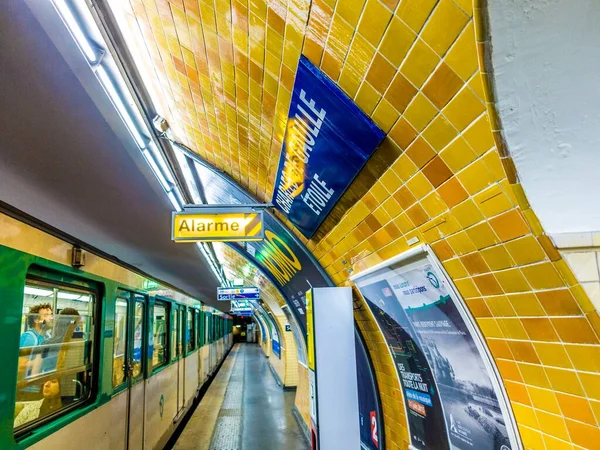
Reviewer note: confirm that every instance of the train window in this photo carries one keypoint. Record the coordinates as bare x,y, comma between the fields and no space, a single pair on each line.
174,333
120,341
190,330
138,335
181,335
159,350
198,325
56,352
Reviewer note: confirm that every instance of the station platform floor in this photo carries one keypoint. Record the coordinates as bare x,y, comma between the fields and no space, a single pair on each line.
244,409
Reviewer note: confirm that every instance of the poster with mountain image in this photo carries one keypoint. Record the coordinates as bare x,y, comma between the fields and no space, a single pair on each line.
474,418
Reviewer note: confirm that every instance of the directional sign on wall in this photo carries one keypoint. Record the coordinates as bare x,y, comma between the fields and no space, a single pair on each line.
243,293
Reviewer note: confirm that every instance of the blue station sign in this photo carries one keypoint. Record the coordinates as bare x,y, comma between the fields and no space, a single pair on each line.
328,140
242,293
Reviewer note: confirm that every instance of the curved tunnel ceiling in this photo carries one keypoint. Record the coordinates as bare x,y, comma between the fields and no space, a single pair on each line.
546,74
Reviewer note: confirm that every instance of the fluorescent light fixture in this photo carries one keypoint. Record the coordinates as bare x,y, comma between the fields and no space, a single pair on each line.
163,181
38,292
187,173
174,201
75,297
160,161
76,31
117,100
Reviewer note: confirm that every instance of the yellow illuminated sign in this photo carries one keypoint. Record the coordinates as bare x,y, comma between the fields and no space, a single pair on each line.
193,227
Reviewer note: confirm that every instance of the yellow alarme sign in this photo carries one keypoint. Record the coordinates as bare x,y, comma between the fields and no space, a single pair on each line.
193,227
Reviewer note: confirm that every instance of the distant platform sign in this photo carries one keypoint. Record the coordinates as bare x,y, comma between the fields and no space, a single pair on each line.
217,226
241,308
243,293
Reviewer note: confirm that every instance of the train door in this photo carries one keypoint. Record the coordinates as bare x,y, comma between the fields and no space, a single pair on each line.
134,307
180,311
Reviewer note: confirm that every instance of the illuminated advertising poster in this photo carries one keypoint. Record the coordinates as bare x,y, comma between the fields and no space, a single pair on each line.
415,306
328,140
424,411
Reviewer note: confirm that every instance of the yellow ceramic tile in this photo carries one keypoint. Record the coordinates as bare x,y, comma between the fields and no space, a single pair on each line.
458,154
509,225
576,408
349,81
467,213
552,354
583,435
403,134
591,384
400,92
552,424
499,348
433,204
415,12
452,192
490,328
385,115
360,55
525,415
461,244
540,329
512,281
532,439
390,180
397,41
419,63
534,375
584,357
404,167
350,10
488,285
475,177
367,98
508,369
463,109
564,381
420,112
542,276
474,264
493,201
559,302
455,268
497,257
494,164
525,250
375,19
476,85
543,399
482,235
479,135
419,185
440,133
575,330
444,26
442,85
517,392
500,306
462,57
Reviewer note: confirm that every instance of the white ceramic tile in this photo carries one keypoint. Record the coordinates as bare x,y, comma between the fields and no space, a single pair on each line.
584,265
593,291
572,240
596,239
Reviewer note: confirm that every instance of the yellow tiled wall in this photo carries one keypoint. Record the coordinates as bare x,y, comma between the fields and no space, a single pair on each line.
418,68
